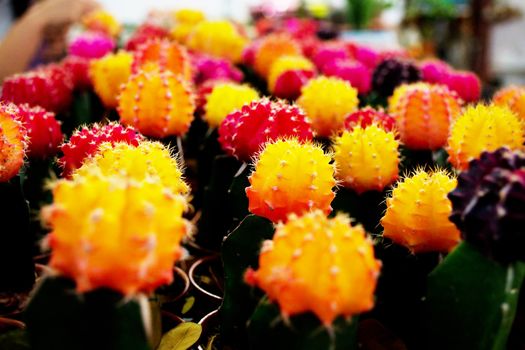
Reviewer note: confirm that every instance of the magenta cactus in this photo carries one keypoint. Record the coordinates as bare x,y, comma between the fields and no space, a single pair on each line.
212,68
91,45
356,73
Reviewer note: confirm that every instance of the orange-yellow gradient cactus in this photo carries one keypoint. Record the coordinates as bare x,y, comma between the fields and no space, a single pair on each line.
226,98
291,177
366,158
287,63
483,128
12,142
102,21
122,234
423,114
327,101
418,210
512,97
157,103
326,266
270,49
217,38
149,161
108,74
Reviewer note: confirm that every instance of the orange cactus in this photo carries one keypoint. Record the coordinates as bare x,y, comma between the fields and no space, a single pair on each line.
417,213
108,74
423,114
12,142
270,49
157,103
514,98
326,266
291,177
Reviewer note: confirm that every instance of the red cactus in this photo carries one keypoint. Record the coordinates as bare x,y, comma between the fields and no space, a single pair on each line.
43,131
367,116
144,33
85,141
288,85
466,84
243,132
78,69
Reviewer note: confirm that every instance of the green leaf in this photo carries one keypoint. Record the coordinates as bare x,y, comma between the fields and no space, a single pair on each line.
188,304
181,337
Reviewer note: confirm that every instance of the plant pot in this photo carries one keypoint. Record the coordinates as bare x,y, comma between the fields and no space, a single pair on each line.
210,329
203,277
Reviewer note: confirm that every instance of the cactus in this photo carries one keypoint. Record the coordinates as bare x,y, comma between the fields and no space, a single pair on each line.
43,131
390,73
280,71
417,213
354,72
91,45
225,98
127,241
144,33
291,177
157,103
108,74
368,116
185,21
329,53
244,132
49,87
289,84
423,114
78,69
270,49
103,22
211,68
512,97
218,39
13,142
166,54
466,84
147,161
327,101
366,159
292,274
483,128
84,143
434,71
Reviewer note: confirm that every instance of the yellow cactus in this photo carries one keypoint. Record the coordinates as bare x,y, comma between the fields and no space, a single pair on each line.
326,266
189,16
102,21
149,161
287,63
157,103
483,128
122,234
270,49
108,74
217,38
291,177
418,210
327,101
512,97
12,142
423,114
226,98
366,158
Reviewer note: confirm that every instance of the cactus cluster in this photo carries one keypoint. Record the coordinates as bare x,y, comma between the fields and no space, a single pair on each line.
12,142
270,49
224,99
512,97
85,142
320,265
43,131
367,116
418,210
392,72
327,101
108,74
91,45
366,158
217,38
157,103
423,114
483,128
487,204
245,131
291,177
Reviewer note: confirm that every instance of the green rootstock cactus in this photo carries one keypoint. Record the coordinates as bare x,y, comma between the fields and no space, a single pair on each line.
472,296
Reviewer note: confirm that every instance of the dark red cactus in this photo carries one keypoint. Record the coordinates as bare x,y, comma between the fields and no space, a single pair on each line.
143,33
288,85
85,141
487,204
244,132
368,115
78,69
43,131
391,73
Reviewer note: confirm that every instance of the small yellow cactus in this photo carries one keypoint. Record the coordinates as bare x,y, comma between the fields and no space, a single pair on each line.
12,142
366,158
326,266
512,97
157,103
108,74
327,101
189,16
291,177
483,128
226,98
122,234
217,38
149,161
418,210
102,21
287,63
